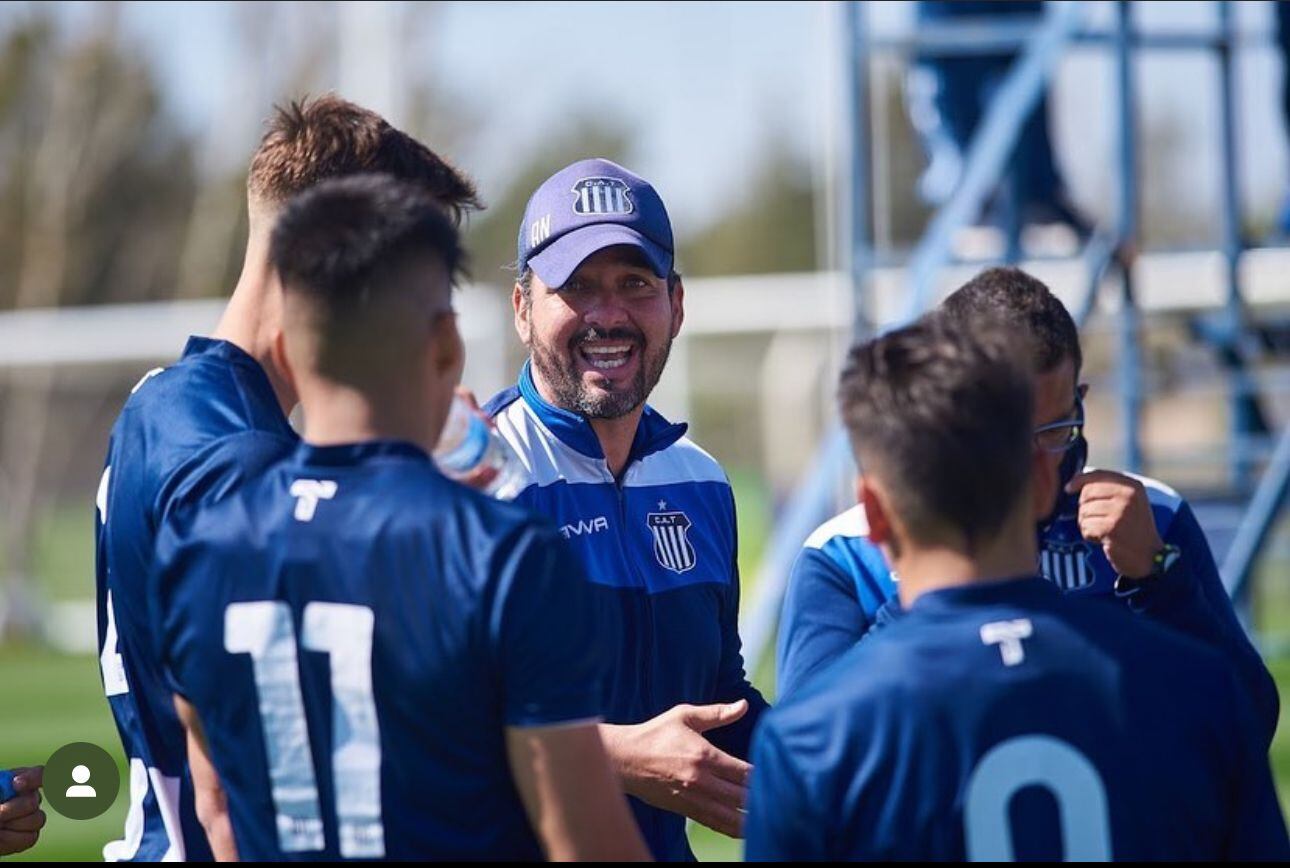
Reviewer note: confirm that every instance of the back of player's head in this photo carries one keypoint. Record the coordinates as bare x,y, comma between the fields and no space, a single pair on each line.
940,413
366,263
1025,303
311,140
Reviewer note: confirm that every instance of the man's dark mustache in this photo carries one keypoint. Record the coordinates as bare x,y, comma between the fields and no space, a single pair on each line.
595,334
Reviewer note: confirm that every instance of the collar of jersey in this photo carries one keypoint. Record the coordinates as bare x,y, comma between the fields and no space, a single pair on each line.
344,454
1017,590
653,434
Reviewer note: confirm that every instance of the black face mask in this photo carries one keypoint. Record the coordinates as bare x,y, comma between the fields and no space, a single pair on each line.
1072,465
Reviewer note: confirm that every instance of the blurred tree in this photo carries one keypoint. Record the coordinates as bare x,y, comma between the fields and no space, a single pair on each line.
281,50
771,229
92,177
92,173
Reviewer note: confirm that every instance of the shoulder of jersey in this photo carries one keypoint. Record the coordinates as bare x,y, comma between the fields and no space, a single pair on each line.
548,461
145,390
1160,494
887,673
434,490
852,524
683,461
184,380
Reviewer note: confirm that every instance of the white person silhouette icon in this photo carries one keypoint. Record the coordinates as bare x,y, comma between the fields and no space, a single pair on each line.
81,789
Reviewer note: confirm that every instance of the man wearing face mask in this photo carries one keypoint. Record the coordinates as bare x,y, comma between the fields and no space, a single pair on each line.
598,302
1109,534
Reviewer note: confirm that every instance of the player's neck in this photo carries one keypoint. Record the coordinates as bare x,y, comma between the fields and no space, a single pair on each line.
1010,555
247,322
616,437
337,413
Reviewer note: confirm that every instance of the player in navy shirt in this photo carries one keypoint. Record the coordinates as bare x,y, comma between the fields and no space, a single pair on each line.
168,446
1107,534
996,719
374,661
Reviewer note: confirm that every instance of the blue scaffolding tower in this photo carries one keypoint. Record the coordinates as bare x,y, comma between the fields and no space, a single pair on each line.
1256,498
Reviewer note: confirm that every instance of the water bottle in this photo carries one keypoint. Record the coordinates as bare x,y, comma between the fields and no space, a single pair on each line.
7,790
469,444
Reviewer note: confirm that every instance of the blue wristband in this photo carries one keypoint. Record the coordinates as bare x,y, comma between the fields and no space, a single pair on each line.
7,790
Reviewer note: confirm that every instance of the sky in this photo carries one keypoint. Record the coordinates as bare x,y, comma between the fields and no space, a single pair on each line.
702,87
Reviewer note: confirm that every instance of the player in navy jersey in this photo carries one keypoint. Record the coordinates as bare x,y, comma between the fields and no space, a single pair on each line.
997,719
166,446
649,513
1106,534
373,661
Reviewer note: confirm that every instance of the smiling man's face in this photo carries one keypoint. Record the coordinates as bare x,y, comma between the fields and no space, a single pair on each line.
600,342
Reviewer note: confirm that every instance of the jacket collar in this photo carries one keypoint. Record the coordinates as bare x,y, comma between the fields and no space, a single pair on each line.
653,434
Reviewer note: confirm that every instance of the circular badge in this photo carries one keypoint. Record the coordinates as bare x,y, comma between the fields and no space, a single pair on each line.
81,781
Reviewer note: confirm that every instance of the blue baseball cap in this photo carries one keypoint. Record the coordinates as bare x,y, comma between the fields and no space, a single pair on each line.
586,207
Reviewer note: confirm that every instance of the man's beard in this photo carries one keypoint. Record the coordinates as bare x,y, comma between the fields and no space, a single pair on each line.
561,375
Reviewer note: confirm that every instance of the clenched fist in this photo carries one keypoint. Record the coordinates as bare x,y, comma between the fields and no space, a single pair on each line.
1115,512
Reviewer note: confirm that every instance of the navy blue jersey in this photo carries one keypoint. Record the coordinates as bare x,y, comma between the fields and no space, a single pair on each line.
356,632
163,450
1001,722
659,549
837,586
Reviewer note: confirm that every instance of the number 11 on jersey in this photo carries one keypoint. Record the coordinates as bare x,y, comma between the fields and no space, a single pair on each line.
264,630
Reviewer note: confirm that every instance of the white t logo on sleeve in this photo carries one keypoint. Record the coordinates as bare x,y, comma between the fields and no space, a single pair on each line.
1008,635
308,492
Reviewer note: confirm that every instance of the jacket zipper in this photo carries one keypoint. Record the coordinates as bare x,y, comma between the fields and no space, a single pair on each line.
647,628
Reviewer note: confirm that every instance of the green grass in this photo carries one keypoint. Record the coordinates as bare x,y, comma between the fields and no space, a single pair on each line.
50,700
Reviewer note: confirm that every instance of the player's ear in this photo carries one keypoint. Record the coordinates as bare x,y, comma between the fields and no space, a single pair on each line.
678,305
882,531
874,510
448,350
278,352
523,308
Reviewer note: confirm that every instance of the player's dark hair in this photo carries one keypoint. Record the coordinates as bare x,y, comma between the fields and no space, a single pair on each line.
311,140
1025,304
940,412
345,240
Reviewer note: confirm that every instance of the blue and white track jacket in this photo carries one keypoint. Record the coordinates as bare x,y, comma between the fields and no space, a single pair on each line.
659,545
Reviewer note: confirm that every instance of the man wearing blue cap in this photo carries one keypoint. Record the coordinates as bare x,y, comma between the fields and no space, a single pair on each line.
598,302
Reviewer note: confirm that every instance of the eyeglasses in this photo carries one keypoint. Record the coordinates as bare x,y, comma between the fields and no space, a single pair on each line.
1061,435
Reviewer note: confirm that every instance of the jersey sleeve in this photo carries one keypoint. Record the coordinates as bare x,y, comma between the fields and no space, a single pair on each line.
212,473
781,824
819,621
548,639
166,590
1192,600
201,483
